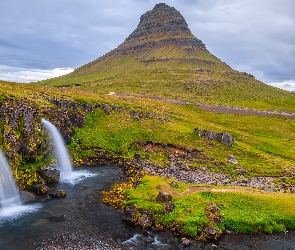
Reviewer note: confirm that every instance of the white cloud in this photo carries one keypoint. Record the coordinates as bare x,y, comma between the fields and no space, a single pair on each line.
286,85
21,75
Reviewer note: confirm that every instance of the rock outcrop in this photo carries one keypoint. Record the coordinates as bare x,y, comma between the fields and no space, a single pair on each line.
164,23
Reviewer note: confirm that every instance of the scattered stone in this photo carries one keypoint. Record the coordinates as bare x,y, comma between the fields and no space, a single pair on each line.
106,108
185,242
224,138
174,184
232,160
163,197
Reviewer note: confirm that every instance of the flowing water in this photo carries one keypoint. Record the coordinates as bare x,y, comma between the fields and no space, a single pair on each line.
11,206
82,213
63,160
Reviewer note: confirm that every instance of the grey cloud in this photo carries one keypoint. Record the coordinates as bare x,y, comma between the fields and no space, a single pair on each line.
253,36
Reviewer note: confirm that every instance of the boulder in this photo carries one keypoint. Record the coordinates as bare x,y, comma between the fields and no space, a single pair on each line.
27,197
169,207
144,221
50,175
129,213
163,197
227,139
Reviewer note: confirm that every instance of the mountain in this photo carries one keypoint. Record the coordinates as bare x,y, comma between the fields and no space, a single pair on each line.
162,57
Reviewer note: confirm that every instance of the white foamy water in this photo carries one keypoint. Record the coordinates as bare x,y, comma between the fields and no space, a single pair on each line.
76,176
14,212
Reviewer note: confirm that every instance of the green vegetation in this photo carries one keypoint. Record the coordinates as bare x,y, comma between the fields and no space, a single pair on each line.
243,210
262,144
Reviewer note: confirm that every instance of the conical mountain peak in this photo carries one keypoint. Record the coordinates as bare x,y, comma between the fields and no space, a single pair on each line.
162,18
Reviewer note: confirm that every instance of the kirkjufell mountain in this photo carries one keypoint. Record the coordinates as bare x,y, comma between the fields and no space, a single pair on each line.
162,57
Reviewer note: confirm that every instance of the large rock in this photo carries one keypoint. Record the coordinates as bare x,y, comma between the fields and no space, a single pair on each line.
27,197
129,213
50,175
144,221
169,207
227,139
163,197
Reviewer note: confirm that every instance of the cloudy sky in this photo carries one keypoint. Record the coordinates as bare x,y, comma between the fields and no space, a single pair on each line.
46,38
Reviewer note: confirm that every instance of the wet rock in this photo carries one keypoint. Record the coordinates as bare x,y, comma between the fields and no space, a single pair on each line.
61,193
57,193
40,189
129,213
232,159
27,197
50,175
144,221
163,197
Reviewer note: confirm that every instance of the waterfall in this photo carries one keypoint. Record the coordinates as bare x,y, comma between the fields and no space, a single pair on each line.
9,195
61,153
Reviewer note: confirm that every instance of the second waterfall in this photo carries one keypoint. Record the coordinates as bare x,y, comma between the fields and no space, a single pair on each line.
61,153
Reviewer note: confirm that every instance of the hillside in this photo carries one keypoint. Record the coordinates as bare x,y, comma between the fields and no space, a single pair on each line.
162,57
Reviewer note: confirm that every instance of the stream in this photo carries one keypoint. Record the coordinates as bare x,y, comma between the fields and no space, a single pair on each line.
81,221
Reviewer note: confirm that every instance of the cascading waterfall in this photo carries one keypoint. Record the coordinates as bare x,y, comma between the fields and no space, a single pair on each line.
9,195
63,160
11,205
61,153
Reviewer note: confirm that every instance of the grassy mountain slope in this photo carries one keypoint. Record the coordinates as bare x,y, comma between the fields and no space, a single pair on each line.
162,57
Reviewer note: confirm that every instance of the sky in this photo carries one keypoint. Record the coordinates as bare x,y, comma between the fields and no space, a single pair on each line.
47,38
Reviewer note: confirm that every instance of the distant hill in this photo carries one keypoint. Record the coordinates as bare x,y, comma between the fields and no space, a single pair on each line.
162,57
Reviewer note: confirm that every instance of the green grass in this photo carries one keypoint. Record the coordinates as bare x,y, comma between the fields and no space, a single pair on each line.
262,146
243,210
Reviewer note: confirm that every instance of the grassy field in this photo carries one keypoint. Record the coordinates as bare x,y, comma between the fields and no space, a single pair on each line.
242,209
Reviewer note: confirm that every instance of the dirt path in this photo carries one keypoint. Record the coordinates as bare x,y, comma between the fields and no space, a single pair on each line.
216,108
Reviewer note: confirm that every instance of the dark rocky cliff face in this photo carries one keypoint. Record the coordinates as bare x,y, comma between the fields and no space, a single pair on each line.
161,26
162,18
21,131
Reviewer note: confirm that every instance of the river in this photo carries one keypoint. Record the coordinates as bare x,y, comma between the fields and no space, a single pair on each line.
81,221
